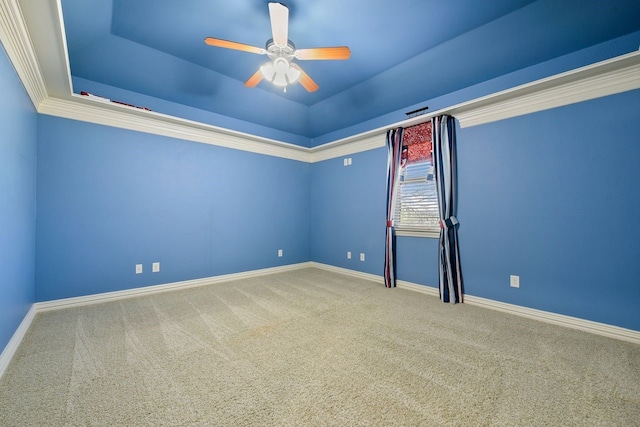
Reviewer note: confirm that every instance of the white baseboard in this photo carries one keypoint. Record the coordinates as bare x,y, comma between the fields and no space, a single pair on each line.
557,319
428,290
597,328
148,290
16,339
544,316
348,272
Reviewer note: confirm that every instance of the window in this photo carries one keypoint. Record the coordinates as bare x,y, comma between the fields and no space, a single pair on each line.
417,203
416,209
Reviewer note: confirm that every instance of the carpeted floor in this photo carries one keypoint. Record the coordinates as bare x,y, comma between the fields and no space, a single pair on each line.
311,347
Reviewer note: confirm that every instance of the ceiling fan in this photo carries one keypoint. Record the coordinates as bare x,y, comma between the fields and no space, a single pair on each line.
281,70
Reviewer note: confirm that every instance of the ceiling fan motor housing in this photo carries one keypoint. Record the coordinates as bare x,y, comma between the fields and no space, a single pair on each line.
274,51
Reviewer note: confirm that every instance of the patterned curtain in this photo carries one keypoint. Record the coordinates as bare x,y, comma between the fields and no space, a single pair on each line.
416,143
394,148
444,153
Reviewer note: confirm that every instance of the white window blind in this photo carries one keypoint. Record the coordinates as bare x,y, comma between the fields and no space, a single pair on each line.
417,201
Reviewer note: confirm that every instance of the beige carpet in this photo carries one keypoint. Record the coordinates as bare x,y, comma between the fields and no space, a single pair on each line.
312,347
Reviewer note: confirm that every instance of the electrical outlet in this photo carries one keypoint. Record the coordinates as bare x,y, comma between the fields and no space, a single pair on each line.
361,256
138,268
279,252
515,281
348,255
155,267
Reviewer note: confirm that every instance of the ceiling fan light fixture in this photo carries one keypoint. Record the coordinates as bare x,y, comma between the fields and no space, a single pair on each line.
281,66
280,72
268,71
293,74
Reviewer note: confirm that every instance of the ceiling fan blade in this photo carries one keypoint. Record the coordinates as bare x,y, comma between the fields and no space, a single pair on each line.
279,14
211,41
254,79
306,81
338,52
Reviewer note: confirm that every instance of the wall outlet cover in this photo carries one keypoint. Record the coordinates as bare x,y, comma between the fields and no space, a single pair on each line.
514,281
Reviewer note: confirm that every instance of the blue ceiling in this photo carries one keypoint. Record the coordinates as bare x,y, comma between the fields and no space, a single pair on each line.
404,52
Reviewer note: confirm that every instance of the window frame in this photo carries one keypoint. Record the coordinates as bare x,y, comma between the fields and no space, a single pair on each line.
426,231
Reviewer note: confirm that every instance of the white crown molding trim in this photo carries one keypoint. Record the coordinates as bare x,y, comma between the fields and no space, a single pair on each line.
155,289
16,339
616,75
346,146
364,141
51,93
603,78
17,43
121,116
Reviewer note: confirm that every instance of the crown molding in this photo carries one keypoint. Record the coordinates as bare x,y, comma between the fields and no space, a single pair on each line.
17,43
346,146
616,75
33,36
121,116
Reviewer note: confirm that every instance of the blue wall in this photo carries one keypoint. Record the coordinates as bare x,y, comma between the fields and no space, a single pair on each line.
348,211
551,197
17,201
554,197
110,198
